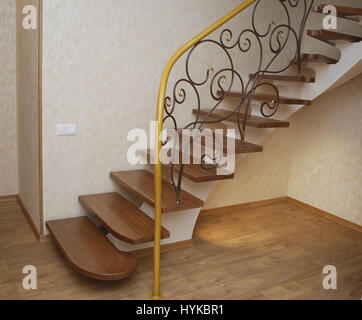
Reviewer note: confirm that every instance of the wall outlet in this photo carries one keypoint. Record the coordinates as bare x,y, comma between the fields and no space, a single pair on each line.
66,130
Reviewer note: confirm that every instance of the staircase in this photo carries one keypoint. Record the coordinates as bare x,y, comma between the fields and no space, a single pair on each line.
86,245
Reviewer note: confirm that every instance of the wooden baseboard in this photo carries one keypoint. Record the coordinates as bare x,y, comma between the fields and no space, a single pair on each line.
9,197
164,248
190,243
242,206
29,220
295,202
325,214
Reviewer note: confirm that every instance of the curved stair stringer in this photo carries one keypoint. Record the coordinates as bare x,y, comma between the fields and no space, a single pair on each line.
181,224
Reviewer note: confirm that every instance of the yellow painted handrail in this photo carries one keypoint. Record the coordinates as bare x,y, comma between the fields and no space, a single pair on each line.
156,294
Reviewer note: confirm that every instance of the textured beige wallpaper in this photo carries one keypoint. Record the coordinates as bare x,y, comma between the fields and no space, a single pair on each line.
8,149
318,160
27,105
102,64
258,176
326,153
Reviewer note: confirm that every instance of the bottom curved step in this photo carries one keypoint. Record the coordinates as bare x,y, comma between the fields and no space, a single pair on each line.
89,252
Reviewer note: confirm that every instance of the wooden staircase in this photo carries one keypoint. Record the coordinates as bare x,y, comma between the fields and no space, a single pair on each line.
86,247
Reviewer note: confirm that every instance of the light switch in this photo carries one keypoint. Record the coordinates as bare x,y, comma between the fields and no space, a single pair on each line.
66,130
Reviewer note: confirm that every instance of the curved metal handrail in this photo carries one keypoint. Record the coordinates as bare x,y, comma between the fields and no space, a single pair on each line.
156,294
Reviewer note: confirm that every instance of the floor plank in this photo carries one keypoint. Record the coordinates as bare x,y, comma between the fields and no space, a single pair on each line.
273,252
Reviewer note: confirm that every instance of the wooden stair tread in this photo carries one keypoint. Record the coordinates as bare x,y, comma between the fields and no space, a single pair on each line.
240,147
121,218
342,11
312,57
141,183
281,77
149,153
89,252
252,121
329,35
196,173
282,100
269,97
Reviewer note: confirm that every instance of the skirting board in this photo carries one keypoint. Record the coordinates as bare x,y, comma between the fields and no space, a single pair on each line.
242,206
9,197
30,221
295,202
25,212
326,215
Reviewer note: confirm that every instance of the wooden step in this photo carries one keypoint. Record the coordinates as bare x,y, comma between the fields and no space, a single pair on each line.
121,218
141,184
240,147
342,12
252,121
149,154
282,100
264,97
196,173
89,252
330,36
290,78
311,57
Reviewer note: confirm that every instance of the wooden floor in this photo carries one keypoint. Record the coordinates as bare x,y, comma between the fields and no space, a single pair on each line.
272,252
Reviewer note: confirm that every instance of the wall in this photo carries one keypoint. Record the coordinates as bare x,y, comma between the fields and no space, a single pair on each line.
102,63
258,176
27,108
8,149
326,153
317,160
